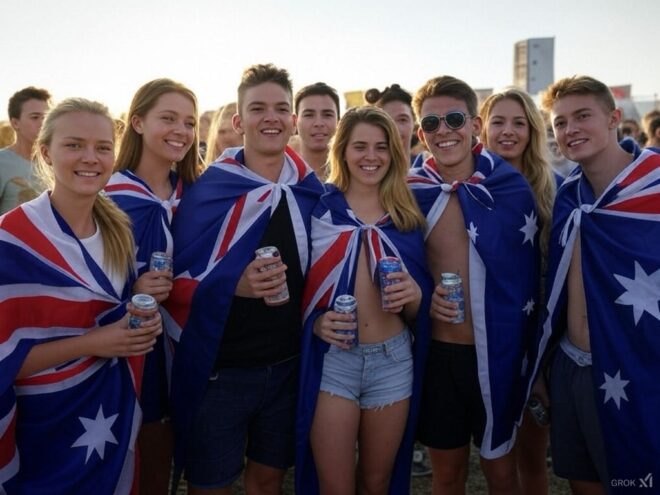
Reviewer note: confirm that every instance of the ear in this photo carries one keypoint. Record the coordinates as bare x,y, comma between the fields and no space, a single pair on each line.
14,123
477,124
136,123
237,124
295,120
45,153
615,118
421,136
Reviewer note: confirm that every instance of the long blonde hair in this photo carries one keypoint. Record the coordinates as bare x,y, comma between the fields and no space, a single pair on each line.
536,166
211,142
130,149
395,196
114,224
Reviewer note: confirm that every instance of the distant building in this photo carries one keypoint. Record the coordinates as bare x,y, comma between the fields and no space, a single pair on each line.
534,64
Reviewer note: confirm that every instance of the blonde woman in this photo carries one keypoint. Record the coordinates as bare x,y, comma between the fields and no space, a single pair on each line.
69,365
515,130
366,393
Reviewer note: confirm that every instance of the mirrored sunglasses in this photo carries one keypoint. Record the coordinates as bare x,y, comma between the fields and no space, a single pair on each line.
453,120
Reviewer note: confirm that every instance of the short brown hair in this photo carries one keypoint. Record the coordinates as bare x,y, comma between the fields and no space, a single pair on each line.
445,86
17,100
262,73
577,85
316,89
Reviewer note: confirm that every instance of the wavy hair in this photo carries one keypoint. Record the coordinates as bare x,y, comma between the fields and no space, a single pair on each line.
395,196
536,166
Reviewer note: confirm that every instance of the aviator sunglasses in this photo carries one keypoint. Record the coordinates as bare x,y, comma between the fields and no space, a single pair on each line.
454,120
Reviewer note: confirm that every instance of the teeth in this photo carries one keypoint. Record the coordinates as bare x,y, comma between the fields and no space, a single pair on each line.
575,143
87,174
507,143
176,144
369,168
447,144
270,131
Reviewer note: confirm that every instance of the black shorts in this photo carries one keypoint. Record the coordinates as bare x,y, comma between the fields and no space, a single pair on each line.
452,408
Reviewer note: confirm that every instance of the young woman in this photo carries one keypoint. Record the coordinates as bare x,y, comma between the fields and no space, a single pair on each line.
157,160
221,133
514,129
69,365
367,393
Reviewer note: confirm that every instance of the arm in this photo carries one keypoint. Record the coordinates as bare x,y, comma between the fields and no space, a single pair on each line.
113,340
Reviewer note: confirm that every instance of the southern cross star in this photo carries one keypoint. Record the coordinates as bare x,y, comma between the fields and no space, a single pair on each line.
97,433
530,228
614,388
642,292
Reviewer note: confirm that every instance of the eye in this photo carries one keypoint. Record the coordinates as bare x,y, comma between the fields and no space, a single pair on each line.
73,146
105,149
167,118
190,125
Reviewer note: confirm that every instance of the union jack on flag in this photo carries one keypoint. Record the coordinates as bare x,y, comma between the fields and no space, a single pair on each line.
501,222
70,428
619,244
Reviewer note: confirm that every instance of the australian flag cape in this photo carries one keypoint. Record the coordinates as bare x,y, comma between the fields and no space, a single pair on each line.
71,428
151,218
337,237
218,226
620,239
501,221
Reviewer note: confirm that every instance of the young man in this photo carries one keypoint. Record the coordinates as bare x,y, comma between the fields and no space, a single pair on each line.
235,370
604,288
317,111
26,109
651,123
482,226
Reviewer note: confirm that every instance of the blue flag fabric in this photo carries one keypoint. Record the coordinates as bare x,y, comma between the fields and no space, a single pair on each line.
501,221
151,218
337,237
620,239
71,428
218,226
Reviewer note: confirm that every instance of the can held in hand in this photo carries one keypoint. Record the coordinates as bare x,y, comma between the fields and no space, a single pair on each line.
454,285
538,411
347,304
387,265
143,302
272,252
160,261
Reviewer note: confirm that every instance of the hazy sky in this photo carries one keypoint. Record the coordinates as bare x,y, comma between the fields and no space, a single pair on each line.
106,50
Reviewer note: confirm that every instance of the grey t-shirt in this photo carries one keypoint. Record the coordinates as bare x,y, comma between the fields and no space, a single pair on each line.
16,180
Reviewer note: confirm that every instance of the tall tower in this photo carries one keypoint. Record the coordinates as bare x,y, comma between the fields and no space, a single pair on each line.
534,64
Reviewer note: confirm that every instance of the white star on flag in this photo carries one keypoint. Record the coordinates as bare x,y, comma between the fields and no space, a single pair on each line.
614,388
472,232
530,228
97,433
529,307
642,292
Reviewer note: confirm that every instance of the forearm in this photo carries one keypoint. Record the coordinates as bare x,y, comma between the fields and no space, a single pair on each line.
50,354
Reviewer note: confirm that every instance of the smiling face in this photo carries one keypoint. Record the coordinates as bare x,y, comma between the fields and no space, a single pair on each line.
507,131
265,119
584,129
167,129
451,148
81,154
317,121
367,156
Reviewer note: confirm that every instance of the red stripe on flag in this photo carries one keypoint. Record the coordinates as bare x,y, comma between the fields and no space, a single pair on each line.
20,312
299,163
231,228
649,203
325,264
263,197
647,166
57,376
231,161
376,245
419,180
126,187
18,224
8,442
180,299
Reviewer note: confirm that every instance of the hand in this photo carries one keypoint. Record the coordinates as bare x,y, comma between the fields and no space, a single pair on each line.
441,309
156,283
256,282
326,326
404,292
117,340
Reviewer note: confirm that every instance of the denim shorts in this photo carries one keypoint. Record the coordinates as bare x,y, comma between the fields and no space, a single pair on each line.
371,375
245,412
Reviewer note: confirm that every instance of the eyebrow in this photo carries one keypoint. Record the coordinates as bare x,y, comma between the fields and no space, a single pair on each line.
284,102
75,138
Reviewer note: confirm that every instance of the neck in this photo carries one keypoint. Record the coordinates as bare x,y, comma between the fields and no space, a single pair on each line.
517,164
600,170
267,166
22,148
77,213
157,177
365,202
315,159
459,172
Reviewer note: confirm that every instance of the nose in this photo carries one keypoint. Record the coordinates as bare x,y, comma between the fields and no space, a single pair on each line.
571,127
508,129
90,155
